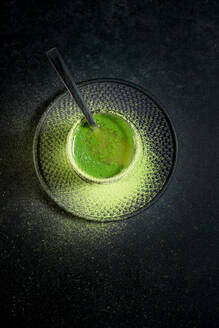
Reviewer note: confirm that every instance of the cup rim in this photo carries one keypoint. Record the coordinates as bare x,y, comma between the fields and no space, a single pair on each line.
87,177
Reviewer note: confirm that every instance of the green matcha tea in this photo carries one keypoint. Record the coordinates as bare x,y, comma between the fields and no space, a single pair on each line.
104,151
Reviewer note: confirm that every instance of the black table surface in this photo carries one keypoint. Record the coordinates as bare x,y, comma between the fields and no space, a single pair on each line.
158,269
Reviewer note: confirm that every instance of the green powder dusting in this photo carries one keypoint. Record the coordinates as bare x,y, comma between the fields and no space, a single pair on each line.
104,151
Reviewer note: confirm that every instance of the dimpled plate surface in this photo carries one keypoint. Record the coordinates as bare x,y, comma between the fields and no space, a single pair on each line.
133,192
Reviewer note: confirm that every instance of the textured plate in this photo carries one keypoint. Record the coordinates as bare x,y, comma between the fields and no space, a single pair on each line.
130,194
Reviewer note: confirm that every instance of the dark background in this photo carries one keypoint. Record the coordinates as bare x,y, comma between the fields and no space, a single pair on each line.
158,269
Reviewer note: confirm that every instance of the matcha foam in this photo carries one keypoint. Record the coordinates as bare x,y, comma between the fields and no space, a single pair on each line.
103,151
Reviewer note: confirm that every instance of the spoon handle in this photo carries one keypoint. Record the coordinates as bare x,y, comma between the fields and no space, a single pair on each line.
64,74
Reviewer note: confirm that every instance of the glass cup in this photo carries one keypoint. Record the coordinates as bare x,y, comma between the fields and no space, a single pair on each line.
135,152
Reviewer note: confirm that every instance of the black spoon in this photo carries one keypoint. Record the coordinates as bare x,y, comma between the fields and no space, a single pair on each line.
58,63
